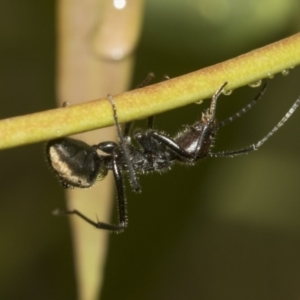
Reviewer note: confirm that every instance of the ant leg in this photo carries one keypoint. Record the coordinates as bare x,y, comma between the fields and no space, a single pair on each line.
145,82
177,149
128,125
120,193
150,122
98,225
133,178
254,147
168,142
127,128
121,205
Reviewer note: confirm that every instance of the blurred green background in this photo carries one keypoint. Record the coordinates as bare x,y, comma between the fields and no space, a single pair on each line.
224,229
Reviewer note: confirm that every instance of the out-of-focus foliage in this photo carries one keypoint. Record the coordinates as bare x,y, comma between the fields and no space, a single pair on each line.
223,229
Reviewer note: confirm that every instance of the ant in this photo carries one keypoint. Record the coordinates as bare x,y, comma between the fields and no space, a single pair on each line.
78,164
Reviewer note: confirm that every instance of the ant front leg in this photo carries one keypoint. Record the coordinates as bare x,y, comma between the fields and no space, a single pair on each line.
128,125
172,145
150,122
120,193
124,147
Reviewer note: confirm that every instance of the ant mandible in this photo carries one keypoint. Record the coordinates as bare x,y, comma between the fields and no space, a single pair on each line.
78,164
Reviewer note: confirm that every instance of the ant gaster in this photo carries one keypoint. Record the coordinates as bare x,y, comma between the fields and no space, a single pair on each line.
78,164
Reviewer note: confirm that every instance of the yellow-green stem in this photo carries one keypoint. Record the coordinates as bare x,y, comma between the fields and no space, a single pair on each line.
157,98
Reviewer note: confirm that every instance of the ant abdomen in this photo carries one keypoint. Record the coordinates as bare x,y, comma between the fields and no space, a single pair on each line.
76,163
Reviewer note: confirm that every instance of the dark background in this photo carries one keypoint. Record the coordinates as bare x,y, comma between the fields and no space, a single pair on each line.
224,229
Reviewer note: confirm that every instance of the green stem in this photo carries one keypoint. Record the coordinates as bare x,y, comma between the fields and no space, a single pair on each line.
153,99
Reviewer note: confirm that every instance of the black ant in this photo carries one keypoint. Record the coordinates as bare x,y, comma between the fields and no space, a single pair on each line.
78,164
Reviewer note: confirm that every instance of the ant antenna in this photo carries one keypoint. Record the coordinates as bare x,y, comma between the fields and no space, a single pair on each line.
246,108
254,147
280,123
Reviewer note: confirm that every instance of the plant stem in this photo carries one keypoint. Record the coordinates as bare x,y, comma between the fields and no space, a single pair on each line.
153,99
